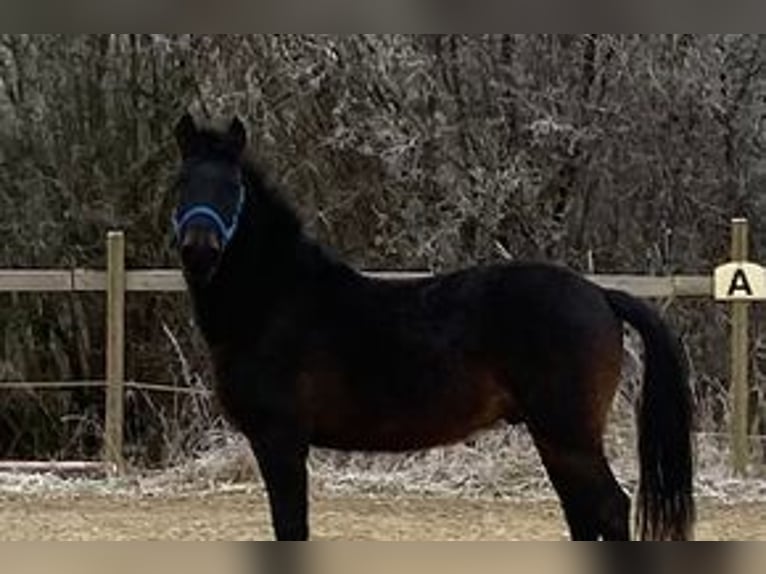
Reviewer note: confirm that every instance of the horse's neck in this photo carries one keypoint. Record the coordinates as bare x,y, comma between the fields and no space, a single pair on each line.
265,269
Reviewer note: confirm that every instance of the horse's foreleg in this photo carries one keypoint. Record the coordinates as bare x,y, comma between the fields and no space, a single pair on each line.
282,461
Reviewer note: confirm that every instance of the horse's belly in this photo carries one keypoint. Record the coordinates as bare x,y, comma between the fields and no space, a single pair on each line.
416,430
351,413
391,439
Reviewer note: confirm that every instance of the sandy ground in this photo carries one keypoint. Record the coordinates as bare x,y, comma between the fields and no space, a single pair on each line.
242,516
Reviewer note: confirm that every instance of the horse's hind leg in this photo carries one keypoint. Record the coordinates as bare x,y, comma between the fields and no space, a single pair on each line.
614,512
594,504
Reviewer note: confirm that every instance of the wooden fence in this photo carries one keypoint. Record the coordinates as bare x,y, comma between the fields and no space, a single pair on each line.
116,281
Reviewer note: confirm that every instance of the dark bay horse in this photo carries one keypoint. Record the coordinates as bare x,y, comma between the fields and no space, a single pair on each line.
309,352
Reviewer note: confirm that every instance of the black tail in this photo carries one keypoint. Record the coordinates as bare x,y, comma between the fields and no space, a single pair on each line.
665,502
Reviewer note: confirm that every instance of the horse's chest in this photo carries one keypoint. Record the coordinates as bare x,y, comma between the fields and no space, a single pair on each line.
247,398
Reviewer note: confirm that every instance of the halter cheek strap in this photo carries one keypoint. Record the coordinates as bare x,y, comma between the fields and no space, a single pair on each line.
180,221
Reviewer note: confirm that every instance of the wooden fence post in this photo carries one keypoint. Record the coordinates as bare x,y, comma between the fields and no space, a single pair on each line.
739,358
115,350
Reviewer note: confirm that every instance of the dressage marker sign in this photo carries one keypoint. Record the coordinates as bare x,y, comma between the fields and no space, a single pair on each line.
740,281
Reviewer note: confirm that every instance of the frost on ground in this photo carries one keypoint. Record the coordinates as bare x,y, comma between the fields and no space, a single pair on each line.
502,463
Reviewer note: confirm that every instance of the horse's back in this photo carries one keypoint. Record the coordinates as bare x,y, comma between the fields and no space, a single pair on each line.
481,307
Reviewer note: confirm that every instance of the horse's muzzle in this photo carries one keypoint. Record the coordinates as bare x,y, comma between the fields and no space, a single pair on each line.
200,252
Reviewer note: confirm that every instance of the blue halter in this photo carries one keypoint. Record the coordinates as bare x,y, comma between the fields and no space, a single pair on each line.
181,220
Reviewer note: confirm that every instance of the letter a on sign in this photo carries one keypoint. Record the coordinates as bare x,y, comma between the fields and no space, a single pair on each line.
740,285
740,282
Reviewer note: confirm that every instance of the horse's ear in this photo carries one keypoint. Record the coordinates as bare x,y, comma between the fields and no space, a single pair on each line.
186,134
236,136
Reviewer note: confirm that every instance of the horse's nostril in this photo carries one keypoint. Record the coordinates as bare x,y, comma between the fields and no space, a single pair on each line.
200,238
214,243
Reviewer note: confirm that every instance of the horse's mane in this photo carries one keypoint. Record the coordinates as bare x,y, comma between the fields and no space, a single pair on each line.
277,222
267,194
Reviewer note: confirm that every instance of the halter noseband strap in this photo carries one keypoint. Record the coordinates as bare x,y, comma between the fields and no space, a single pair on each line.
209,212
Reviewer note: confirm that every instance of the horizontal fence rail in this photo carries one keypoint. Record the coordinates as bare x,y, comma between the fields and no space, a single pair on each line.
69,467
68,385
171,281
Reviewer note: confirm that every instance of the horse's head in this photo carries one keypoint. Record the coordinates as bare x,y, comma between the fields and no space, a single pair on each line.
210,192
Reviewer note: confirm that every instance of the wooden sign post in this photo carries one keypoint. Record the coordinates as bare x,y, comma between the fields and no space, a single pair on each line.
739,282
